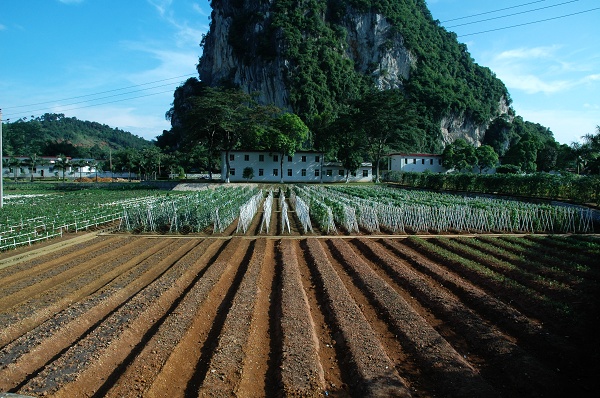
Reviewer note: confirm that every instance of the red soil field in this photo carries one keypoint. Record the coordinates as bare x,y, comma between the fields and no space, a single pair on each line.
305,316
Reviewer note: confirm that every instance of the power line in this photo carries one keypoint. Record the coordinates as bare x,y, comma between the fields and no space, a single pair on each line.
511,15
88,106
491,12
530,23
101,92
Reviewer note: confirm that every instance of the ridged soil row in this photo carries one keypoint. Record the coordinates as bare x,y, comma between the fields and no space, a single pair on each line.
226,365
451,373
32,258
36,309
137,372
184,366
301,371
19,287
519,271
29,354
527,301
505,362
529,332
373,371
538,263
114,337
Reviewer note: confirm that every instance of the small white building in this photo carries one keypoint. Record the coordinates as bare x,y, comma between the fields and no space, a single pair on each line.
303,167
415,162
45,167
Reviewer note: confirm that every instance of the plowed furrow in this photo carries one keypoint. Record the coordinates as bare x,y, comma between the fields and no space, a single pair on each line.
143,364
375,374
55,272
186,366
113,338
301,371
22,263
256,379
66,292
518,271
506,317
226,364
506,362
28,354
457,377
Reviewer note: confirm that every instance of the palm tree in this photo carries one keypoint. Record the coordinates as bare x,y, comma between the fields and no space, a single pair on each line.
32,162
62,162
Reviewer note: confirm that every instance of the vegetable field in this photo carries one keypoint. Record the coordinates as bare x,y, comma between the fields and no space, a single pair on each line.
282,301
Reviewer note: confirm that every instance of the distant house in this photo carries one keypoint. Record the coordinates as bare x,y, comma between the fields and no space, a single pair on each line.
303,167
415,162
45,167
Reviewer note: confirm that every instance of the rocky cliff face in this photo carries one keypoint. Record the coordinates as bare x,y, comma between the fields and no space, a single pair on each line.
246,48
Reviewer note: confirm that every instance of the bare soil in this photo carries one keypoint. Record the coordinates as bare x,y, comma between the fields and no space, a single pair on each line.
260,314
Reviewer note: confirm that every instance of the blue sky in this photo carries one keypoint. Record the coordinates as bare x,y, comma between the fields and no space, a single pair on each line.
118,62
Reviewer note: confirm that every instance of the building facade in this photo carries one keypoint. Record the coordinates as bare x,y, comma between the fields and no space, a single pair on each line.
303,167
415,162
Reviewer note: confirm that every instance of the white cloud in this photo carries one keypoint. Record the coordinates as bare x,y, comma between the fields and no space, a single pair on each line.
567,125
528,53
196,7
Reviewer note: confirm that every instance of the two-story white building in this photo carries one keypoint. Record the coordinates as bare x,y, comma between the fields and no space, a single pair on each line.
303,167
415,162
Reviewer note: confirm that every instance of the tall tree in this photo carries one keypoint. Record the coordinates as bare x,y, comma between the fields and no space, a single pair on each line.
285,136
387,121
459,155
487,158
217,118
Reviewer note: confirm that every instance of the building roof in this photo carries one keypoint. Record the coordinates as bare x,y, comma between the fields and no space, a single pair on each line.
413,155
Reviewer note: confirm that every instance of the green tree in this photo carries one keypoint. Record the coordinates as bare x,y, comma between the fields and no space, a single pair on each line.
386,120
217,118
248,173
487,158
62,163
459,155
285,135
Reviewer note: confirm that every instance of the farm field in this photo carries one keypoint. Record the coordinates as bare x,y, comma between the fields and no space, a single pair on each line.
257,314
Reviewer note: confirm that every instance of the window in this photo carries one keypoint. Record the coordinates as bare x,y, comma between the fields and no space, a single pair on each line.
231,157
406,161
329,173
275,172
440,162
431,161
304,158
35,169
341,173
353,174
303,172
414,161
289,158
317,173
261,158
422,161
317,159
275,158
365,172
261,172
232,172
289,172
246,157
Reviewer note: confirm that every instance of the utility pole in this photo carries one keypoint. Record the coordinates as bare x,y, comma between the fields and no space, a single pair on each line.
1,170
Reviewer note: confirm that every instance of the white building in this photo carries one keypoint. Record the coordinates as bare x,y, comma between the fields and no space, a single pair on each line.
415,162
45,167
303,167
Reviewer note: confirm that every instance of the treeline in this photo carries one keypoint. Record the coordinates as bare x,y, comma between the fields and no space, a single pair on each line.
52,134
572,187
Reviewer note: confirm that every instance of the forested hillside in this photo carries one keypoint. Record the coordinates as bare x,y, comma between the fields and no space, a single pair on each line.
51,134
